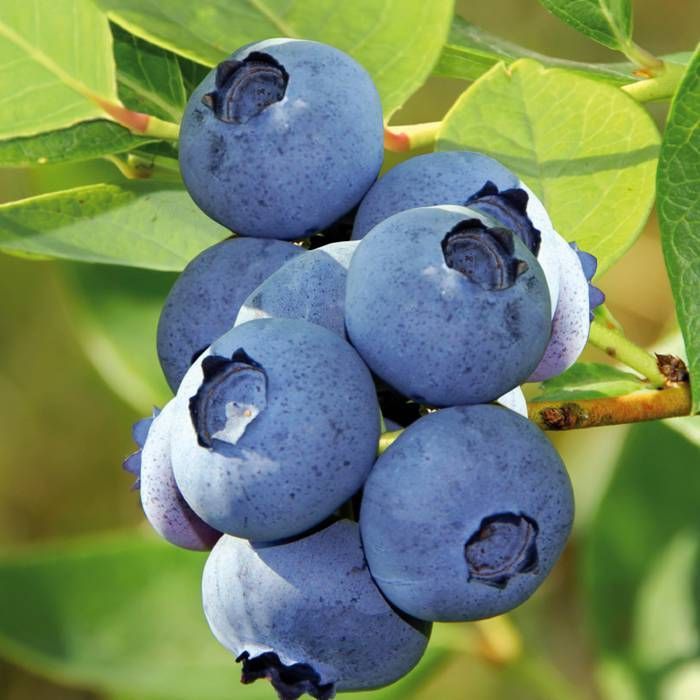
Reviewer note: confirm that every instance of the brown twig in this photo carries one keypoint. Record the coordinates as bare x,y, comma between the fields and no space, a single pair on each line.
671,402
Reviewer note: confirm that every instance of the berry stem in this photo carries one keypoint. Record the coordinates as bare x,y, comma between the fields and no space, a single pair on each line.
136,167
409,137
660,84
652,404
643,58
607,338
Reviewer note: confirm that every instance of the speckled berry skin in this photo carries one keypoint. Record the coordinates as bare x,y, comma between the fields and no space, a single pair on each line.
300,448
452,177
310,601
430,505
204,301
163,504
302,161
428,330
310,287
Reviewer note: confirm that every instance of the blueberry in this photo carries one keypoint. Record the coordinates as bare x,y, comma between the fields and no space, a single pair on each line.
282,139
447,307
162,502
307,616
571,323
310,287
277,426
204,301
469,179
465,514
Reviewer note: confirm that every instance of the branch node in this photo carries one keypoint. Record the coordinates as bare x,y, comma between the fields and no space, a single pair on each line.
565,417
672,367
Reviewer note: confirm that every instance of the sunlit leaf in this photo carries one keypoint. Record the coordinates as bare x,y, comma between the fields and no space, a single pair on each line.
137,223
589,380
55,58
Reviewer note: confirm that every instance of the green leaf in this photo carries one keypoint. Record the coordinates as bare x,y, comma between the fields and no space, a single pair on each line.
116,311
192,73
470,51
589,380
586,149
55,60
149,77
118,614
136,223
398,43
678,181
91,139
642,565
608,22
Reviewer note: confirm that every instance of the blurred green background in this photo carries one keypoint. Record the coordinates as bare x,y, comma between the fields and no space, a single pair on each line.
619,616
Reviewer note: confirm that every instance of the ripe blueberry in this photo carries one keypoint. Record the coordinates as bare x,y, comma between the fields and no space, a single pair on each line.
306,615
282,138
465,514
277,426
446,306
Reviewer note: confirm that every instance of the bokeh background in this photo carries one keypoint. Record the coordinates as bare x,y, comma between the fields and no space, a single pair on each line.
67,403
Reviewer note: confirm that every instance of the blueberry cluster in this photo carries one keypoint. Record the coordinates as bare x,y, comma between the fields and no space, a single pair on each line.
329,563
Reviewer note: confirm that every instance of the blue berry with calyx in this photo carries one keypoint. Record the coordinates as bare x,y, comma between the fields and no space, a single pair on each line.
306,615
277,426
205,299
282,139
465,514
446,306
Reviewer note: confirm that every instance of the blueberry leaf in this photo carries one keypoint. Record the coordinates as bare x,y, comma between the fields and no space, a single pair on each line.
136,223
65,52
470,51
608,22
149,78
589,380
584,147
89,139
678,182
641,567
397,44
118,614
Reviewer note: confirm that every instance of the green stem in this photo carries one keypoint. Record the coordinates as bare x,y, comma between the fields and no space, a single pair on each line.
138,167
385,439
616,345
409,137
168,131
643,58
662,86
